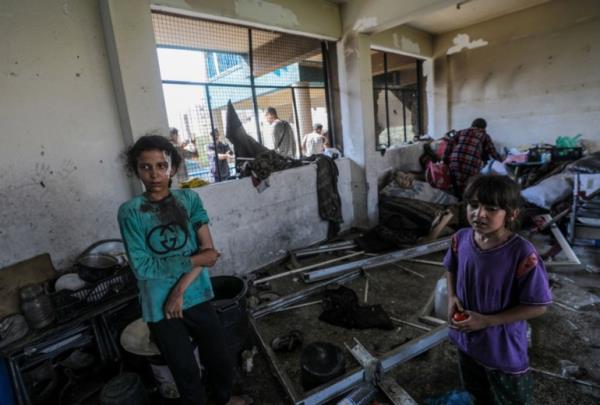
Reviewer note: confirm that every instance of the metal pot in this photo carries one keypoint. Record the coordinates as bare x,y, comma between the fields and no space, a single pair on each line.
36,306
96,267
320,362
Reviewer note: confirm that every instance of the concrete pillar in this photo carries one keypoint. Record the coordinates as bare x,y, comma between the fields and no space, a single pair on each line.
134,67
303,107
358,121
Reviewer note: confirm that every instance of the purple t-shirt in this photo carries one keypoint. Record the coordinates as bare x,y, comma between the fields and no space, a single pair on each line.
492,281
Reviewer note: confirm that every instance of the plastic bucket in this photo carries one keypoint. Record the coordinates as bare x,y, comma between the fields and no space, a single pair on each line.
230,304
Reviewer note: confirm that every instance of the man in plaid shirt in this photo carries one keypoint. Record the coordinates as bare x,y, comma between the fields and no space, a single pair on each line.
466,152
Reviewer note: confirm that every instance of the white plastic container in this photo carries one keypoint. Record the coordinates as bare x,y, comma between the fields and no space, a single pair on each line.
440,300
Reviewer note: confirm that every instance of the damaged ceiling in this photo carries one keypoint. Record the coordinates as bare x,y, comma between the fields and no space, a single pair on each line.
469,12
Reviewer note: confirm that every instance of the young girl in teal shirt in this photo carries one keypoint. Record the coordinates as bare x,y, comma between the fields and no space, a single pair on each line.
169,247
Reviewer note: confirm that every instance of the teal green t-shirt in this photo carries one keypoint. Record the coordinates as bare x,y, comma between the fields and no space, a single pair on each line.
159,238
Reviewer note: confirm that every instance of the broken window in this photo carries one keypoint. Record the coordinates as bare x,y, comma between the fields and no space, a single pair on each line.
205,64
397,95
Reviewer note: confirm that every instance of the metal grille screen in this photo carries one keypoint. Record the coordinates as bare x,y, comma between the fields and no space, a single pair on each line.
396,92
206,64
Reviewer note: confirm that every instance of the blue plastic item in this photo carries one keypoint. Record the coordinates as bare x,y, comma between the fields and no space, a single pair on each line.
6,392
455,397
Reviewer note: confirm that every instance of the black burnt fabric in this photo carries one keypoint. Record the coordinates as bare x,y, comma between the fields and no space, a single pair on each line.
244,145
268,162
341,309
330,203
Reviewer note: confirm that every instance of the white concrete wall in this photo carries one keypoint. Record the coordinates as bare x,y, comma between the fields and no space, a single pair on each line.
61,180
534,75
253,229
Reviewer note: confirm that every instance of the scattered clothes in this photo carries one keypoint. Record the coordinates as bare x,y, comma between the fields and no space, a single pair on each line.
403,221
330,203
341,309
268,162
403,179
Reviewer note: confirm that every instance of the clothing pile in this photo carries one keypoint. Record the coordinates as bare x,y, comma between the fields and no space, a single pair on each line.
341,309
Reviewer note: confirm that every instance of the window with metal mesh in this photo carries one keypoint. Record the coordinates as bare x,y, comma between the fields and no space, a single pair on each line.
204,65
397,90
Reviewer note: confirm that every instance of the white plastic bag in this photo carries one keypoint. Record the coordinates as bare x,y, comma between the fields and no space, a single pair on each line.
550,191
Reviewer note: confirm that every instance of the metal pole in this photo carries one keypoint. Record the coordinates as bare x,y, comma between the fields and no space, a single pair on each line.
328,102
387,106
312,266
279,373
252,87
301,295
295,107
376,261
419,130
330,247
403,112
392,359
212,125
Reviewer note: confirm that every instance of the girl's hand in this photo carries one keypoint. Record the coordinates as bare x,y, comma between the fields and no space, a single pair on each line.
210,256
474,322
454,305
174,305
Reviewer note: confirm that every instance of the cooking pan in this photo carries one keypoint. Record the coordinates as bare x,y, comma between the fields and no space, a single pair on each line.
94,267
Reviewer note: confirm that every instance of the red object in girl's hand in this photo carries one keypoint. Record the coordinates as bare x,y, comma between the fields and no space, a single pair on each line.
459,316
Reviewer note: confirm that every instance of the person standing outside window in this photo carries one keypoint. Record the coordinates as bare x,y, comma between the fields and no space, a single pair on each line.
283,135
219,167
314,142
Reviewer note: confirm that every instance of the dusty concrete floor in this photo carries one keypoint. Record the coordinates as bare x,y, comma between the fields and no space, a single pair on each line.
561,334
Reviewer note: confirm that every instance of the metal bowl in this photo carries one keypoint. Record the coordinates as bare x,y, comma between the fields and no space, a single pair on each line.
95,267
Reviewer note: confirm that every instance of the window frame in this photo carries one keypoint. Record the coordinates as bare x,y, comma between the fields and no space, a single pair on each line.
386,88
325,86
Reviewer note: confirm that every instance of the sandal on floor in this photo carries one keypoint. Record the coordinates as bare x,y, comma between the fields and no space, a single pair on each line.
287,343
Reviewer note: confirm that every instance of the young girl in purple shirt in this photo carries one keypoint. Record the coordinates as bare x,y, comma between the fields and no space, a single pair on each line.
496,280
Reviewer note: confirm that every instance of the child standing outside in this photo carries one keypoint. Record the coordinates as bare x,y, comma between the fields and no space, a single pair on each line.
169,246
496,281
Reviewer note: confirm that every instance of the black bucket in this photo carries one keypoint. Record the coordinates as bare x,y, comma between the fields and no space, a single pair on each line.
230,304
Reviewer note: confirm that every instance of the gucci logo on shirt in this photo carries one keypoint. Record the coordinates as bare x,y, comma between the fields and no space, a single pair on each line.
166,238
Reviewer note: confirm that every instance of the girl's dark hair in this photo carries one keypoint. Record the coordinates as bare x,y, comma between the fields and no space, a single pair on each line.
151,142
499,191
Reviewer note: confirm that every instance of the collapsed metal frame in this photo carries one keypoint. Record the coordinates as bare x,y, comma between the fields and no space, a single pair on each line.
377,261
346,382
350,271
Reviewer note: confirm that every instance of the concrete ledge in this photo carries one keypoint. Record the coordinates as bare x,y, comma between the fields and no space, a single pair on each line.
253,229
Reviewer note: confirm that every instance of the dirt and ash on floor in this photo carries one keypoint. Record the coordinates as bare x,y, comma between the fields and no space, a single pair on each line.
563,333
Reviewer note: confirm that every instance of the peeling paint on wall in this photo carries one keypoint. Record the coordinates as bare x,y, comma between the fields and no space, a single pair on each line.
462,41
272,13
365,24
406,44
